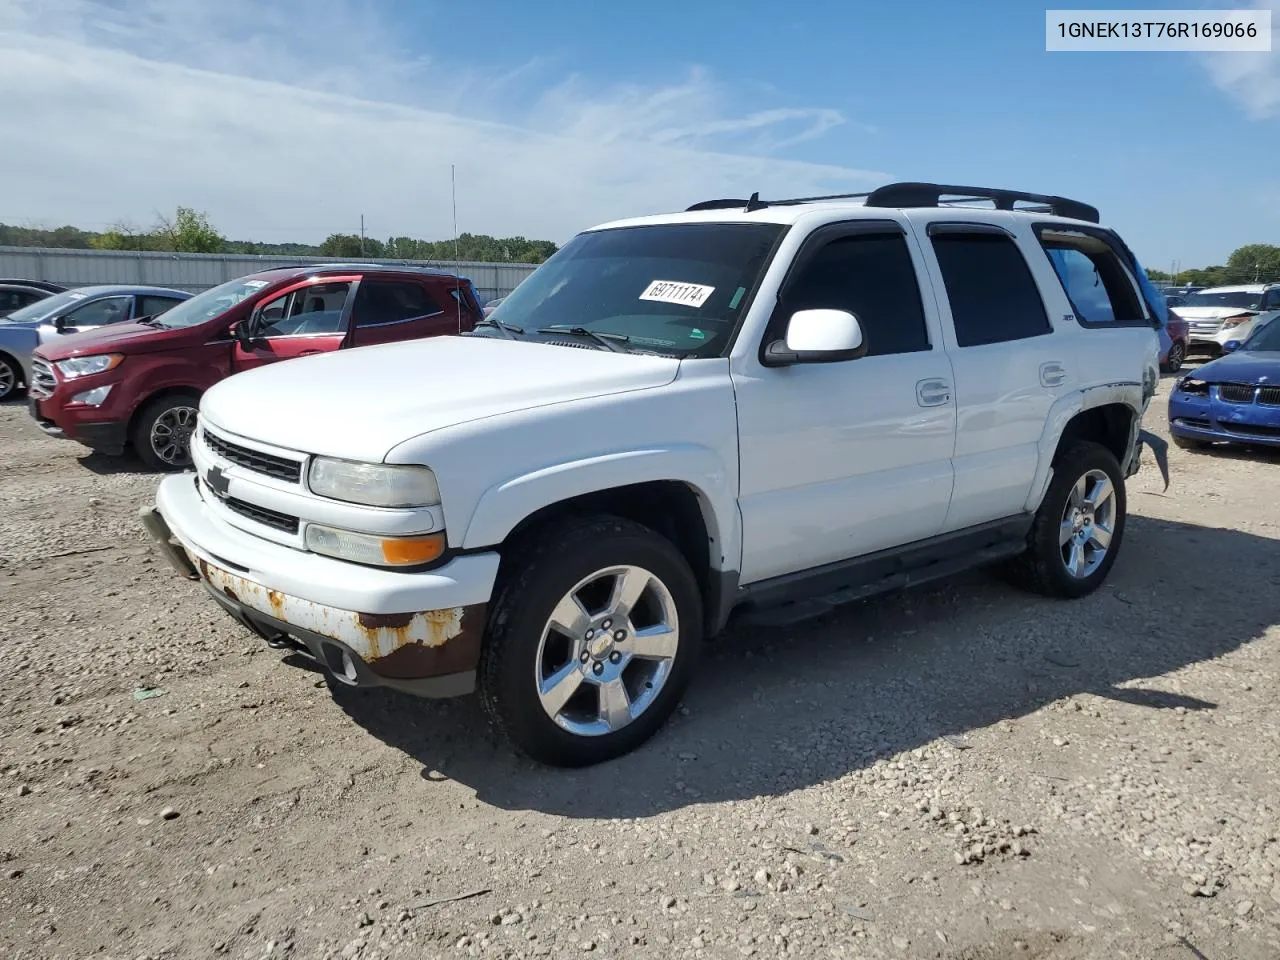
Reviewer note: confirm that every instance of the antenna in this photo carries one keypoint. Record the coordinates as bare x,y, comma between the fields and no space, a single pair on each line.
457,261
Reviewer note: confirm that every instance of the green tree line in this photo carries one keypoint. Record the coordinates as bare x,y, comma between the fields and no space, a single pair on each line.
190,231
1252,263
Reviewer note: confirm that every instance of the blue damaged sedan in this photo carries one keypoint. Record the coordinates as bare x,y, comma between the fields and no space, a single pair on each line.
1234,399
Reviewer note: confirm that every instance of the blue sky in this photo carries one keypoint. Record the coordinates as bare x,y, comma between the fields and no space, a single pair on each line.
289,121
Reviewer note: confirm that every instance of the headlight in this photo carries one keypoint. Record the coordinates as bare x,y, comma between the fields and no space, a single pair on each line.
94,397
85,366
374,484
1190,384
380,551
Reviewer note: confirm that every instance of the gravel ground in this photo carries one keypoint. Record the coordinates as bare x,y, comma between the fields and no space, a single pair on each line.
956,772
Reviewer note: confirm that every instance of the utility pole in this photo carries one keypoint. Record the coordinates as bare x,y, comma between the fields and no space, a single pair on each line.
362,234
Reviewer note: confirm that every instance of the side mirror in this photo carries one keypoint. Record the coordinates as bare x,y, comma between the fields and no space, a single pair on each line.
240,331
818,336
1231,346
60,324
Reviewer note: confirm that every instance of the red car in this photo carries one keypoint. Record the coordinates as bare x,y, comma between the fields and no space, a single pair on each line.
139,384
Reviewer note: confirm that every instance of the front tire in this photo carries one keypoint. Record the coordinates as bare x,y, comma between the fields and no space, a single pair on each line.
1078,529
591,641
161,437
10,377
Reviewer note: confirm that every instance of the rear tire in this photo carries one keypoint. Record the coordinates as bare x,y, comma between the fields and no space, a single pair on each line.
1078,529
1177,356
161,436
591,640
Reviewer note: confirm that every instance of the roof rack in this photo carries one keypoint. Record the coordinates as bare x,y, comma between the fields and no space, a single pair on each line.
914,194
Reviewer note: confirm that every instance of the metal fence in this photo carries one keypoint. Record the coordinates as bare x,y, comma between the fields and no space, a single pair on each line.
199,271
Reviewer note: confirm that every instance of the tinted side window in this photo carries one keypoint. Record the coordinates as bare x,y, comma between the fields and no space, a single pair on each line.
1272,300
391,301
98,313
993,296
151,306
872,277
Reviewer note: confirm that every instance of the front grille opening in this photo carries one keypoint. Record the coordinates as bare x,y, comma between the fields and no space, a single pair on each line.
1193,422
282,468
1269,396
268,518
1237,392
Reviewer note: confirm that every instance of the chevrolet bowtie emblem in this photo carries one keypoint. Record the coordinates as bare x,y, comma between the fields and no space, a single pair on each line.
218,482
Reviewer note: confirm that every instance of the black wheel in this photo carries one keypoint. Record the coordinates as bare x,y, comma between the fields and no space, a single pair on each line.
10,377
1177,356
161,436
1078,529
1187,443
591,641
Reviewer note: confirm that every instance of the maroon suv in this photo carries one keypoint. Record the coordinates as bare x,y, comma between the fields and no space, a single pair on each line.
138,384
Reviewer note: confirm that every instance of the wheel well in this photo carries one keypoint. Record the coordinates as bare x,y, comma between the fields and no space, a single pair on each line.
163,392
668,507
1108,425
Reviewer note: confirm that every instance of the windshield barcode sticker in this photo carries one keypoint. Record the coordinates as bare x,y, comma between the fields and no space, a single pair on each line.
672,291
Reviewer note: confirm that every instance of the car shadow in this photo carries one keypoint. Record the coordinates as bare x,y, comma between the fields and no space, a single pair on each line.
105,465
775,710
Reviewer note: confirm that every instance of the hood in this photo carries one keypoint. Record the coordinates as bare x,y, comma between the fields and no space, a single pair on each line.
125,337
1210,313
360,403
7,324
1246,367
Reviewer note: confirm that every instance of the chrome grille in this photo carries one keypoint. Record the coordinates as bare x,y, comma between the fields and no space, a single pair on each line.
1270,396
1237,392
268,518
282,468
43,380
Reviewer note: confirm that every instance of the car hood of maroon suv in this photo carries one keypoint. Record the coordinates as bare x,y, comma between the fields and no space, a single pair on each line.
132,338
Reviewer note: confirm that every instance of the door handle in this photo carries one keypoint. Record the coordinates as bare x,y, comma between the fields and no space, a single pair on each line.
933,393
1052,374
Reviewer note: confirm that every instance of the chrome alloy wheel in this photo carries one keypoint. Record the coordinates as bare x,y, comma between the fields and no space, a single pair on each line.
607,650
8,379
1088,522
171,435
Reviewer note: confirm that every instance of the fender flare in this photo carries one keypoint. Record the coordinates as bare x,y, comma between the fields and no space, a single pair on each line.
504,505
1129,393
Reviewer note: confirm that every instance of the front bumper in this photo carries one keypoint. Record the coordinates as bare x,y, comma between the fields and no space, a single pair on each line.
417,632
1212,420
108,436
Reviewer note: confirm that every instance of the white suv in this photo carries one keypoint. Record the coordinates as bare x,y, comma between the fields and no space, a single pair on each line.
1220,314
750,408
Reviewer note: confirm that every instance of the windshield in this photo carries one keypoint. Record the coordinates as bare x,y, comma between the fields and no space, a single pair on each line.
1242,301
1266,337
211,303
674,289
47,307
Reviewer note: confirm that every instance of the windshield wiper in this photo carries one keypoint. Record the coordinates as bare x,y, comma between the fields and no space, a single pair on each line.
610,341
152,322
510,329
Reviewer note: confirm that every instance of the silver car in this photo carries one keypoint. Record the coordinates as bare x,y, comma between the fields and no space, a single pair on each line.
70,312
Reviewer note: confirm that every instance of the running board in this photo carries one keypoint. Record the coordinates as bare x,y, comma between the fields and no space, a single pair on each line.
785,601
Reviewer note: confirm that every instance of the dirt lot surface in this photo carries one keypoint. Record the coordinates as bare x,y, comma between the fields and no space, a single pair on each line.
956,772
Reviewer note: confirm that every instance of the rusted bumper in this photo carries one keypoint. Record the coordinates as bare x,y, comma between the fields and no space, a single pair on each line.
431,653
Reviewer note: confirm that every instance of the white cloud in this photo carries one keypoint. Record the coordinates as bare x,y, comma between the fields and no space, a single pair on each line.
119,110
1251,79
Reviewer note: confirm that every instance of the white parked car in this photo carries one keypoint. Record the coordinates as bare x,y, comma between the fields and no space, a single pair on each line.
748,409
1219,314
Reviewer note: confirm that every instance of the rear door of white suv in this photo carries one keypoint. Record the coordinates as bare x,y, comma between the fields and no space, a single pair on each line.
838,460
1010,366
